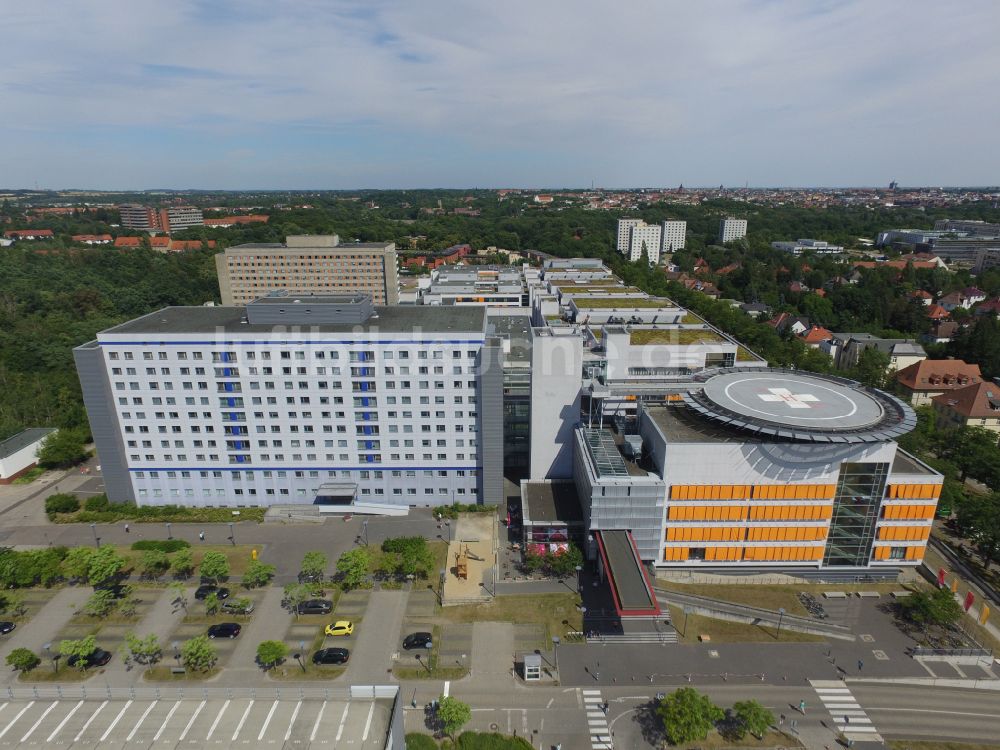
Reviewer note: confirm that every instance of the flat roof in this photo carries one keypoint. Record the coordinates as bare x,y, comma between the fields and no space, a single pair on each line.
626,574
685,336
389,319
800,406
621,303
517,328
23,439
550,502
256,246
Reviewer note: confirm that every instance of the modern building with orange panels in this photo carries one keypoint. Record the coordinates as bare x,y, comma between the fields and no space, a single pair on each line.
762,470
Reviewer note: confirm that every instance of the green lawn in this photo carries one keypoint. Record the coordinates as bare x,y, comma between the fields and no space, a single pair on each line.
914,745
724,631
557,612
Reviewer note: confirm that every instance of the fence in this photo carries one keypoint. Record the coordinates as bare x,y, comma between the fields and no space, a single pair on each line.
106,692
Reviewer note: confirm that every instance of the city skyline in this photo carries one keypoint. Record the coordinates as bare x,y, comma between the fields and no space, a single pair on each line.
345,96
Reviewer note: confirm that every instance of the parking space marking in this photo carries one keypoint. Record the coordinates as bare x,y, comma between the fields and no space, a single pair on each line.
343,719
14,720
267,721
114,723
242,721
164,724
63,722
322,708
368,723
139,723
41,718
291,722
191,721
92,717
217,718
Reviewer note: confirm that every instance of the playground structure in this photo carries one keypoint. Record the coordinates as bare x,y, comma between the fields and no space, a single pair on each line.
471,559
462,558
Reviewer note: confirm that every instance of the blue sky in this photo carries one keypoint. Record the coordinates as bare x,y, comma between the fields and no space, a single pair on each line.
131,94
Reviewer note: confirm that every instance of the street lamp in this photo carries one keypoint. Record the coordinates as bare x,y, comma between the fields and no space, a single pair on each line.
579,579
781,615
555,652
364,531
177,652
97,541
687,611
420,659
169,534
298,656
232,534
447,523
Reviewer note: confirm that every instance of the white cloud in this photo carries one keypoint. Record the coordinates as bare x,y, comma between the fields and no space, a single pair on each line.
643,92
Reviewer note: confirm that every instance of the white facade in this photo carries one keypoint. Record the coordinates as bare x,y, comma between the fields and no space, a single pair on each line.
800,246
556,367
20,452
645,238
225,413
673,235
732,229
625,233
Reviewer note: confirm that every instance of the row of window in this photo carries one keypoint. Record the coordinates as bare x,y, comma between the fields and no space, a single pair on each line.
303,473
285,492
298,354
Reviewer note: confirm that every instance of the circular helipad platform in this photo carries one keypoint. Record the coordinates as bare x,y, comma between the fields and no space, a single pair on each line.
801,406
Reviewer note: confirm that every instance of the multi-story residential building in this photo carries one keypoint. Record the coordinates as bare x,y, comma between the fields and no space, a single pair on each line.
924,380
732,229
845,349
645,240
625,233
673,235
975,405
309,264
169,219
317,400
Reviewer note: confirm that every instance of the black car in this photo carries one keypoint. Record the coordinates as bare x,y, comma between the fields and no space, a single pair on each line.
331,656
237,607
418,640
315,607
225,630
6,627
204,590
98,658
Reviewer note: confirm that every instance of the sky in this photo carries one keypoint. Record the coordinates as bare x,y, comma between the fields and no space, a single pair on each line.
332,94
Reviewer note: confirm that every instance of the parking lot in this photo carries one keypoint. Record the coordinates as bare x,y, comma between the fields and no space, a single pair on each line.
206,719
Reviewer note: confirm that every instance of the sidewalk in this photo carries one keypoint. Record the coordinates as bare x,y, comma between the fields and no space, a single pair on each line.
378,639
44,626
269,623
160,620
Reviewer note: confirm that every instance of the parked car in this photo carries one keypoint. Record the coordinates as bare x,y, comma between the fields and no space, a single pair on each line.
315,607
418,640
118,590
237,607
225,630
6,627
98,658
331,656
204,590
340,627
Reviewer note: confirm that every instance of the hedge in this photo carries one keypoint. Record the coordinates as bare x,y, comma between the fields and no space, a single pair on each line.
61,503
420,742
161,545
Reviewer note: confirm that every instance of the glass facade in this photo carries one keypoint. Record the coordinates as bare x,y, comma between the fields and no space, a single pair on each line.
855,513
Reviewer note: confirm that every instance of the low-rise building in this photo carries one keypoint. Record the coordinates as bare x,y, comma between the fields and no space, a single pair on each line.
975,405
19,453
806,245
845,350
922,381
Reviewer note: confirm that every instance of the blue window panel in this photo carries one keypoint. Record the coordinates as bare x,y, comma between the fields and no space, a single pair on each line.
364,401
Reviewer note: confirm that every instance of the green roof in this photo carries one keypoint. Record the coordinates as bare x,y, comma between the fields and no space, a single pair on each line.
623,303
745,355
676,336
600,290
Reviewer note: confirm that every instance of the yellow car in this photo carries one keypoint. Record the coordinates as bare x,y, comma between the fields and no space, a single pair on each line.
341,627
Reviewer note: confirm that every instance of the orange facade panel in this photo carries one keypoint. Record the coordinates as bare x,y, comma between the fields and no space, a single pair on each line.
908,512
904,533
914,491
786,534
790,512
915,553
768,554
675,554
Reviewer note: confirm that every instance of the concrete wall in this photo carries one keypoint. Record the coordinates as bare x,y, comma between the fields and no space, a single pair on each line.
490,403
556,374
19,460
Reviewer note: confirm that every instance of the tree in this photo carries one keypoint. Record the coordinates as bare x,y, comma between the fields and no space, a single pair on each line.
313,566
353,567
183,563
62,449
198,654
13,603
872,368
23,659
214,565
936,608
144,650
105,565
688,715
212,604
979,519
153,563
61,503
752,717
405,556
271,653
100,603
76,564
294,595
453,714
258,574
564,563
79,649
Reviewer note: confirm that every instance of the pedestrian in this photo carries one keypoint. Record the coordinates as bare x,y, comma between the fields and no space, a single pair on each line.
201,535
597,675
781,720
802,707
861,664
126,528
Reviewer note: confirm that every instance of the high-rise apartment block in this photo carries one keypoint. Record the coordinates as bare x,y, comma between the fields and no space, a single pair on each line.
309,264
636,237
673,235
306,400
170,219
732,229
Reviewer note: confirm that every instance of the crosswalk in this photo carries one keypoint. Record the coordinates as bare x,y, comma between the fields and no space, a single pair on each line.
597,720
847,714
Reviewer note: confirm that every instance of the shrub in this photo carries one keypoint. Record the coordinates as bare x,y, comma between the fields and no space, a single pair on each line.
23,659
61,503
484,741
271,653
258,574
416,741
161,545
97,503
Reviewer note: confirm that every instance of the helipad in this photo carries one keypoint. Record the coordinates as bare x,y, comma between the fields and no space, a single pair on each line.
801,406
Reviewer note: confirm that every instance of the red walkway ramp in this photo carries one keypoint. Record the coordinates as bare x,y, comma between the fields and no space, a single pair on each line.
630,586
